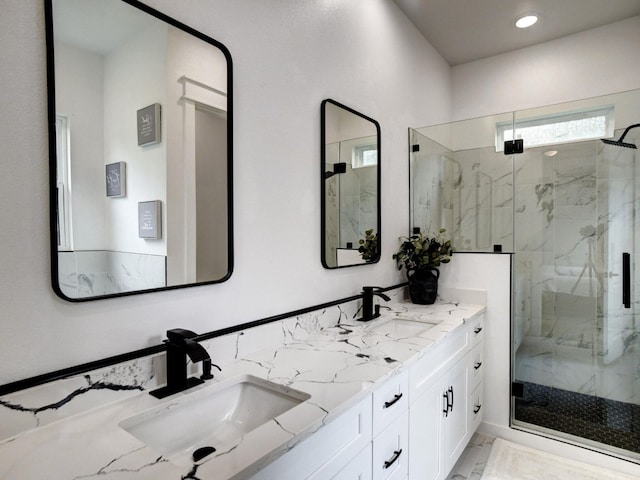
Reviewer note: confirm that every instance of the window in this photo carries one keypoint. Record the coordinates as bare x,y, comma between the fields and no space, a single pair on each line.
63,189
364,156
558,128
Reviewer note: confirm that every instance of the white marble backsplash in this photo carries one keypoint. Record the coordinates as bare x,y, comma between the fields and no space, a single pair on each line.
41,405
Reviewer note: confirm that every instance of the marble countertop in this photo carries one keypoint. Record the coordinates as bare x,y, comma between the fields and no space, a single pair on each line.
337,367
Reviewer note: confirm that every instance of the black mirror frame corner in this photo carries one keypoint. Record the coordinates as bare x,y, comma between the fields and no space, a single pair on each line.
323,212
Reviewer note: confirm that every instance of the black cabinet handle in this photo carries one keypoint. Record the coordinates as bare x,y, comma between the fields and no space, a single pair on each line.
477,330
392,460
477,409
445,410
477,365
626,280
392,402
451,390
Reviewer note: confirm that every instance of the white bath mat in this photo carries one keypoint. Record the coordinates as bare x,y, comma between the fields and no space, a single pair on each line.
509,461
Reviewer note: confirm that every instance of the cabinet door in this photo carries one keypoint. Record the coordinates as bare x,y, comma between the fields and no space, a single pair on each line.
327,451
455,423
425,430
359,468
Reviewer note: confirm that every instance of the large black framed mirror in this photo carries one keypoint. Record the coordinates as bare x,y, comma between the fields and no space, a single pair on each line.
350,187
141,153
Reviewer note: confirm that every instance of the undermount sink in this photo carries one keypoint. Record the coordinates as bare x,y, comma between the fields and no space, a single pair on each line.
399,327
214,419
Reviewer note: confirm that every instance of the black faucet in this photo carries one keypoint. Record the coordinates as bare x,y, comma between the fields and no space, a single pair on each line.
368,312
180,344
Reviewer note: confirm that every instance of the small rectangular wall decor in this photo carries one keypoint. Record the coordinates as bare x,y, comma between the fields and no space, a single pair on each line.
149,125
115,174
150,220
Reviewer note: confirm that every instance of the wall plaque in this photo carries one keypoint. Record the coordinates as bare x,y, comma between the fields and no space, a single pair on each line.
149,125
150,220
115,174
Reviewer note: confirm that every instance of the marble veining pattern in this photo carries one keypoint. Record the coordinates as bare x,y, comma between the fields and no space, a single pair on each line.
331,357
103,272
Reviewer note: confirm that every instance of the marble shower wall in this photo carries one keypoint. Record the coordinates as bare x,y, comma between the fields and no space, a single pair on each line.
469,192
575,213
567,218
358,203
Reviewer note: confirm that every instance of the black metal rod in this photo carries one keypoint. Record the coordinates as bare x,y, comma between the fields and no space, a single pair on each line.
626,280
156,349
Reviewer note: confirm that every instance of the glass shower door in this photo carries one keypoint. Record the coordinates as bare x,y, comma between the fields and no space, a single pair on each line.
577,361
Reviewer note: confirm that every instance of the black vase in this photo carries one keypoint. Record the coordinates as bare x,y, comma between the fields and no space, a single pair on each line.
423,285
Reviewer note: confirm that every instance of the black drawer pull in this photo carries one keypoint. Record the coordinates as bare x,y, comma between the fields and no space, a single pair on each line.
477,365
392,460
477,409
392,402
477,330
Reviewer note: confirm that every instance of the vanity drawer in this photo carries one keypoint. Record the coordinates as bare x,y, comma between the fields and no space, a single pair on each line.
476,367
391,451
437,359
389,401
476,409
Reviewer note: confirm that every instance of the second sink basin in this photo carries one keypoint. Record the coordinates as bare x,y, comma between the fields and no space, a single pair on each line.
212,419
402,327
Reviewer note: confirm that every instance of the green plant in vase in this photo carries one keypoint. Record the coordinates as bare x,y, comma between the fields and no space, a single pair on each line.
421,255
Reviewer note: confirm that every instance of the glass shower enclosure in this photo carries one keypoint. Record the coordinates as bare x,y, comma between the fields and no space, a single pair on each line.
567,209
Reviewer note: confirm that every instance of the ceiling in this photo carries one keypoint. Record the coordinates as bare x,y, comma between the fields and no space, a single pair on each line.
467,30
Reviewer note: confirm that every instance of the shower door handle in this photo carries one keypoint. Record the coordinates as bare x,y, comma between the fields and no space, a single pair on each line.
626,280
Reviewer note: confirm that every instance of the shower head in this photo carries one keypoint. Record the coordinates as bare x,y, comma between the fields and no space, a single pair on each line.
619,142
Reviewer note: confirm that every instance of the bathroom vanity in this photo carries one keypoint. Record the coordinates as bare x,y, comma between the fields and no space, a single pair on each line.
399,395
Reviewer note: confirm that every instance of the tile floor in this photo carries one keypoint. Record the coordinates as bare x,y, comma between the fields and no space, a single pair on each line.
605,421
474,459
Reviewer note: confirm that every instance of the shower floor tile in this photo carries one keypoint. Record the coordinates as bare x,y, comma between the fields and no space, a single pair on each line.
598,419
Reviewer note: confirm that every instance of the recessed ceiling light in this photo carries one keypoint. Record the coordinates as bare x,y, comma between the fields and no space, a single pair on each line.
526,21
551,153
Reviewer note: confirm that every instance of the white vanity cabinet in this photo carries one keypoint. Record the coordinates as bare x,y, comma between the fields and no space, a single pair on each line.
415,425
368,442
445,391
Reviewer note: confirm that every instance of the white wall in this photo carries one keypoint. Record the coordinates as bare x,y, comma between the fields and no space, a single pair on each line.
588,64
128,88
79,81
288,56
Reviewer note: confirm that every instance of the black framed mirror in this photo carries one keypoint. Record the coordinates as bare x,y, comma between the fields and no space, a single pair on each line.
350,187
141,153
